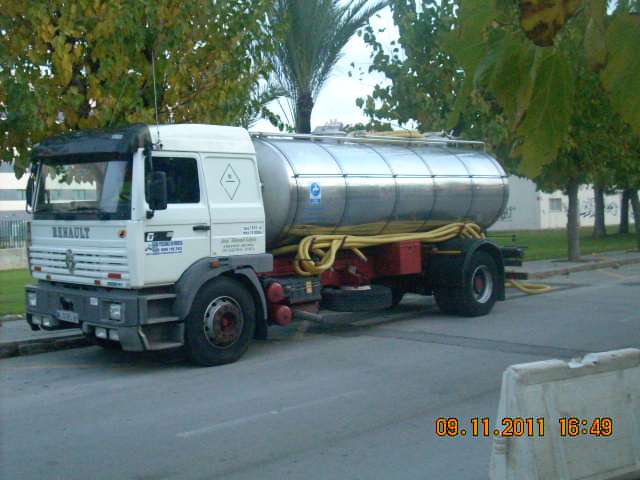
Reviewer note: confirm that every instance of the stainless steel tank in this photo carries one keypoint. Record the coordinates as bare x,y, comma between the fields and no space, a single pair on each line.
331,186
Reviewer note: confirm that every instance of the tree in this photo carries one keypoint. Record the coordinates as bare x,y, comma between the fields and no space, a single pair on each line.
423,81
88,64
524,56
527,58
315,32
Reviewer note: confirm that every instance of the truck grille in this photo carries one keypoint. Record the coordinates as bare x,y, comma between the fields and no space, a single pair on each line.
90,266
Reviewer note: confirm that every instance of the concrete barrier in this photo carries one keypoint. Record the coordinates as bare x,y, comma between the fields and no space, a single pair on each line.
12,258
599,387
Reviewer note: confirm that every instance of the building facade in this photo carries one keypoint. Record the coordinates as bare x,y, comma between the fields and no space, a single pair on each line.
531,209
12,193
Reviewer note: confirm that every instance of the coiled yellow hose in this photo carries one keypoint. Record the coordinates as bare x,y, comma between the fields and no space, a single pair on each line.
326,247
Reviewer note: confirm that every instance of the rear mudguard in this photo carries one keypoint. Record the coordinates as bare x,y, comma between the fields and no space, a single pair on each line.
447,269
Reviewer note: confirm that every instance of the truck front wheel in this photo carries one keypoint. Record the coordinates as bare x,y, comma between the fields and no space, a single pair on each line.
220,324
478,293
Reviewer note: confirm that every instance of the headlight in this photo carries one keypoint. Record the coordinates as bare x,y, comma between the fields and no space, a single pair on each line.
115,311
32,298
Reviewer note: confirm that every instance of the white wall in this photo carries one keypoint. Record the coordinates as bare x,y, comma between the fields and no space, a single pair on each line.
530,209
550,219
8,181
522,211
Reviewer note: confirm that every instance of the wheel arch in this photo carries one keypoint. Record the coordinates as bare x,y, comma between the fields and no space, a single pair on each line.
202,273
448,270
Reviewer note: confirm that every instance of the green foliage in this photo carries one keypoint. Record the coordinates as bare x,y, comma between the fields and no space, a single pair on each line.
600,147
314,34
422,78
525,55
88,64
425,85
543,129
621,76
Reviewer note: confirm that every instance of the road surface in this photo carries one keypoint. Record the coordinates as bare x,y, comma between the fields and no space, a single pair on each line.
353,400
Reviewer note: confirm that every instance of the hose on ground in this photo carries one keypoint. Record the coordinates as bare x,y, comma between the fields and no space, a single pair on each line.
326,247
529,288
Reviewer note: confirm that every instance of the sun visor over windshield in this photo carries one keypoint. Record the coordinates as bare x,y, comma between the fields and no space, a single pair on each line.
119,141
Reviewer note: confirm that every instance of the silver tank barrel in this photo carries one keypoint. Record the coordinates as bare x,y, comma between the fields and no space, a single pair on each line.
315,187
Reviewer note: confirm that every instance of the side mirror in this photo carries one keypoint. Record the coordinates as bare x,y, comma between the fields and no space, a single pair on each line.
29,193
158,191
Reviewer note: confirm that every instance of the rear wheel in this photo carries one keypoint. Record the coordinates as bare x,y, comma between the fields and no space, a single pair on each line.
221,323
397,293
479,290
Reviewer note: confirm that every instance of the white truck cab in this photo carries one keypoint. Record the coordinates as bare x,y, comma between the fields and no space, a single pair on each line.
121,219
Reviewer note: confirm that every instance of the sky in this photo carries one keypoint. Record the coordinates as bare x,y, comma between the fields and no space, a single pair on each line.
337,100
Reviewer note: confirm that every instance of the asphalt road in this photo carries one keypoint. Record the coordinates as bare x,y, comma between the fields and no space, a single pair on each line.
354,400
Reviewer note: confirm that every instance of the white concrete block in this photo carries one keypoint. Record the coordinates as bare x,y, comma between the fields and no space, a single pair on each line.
599,385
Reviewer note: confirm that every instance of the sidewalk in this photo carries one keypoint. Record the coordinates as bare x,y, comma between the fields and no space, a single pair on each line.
549,268
16,338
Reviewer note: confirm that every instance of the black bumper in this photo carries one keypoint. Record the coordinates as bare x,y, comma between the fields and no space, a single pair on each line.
147,320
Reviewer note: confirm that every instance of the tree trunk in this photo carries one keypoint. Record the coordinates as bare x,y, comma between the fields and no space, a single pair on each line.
573,222
304,107
624,212
599,228
635,203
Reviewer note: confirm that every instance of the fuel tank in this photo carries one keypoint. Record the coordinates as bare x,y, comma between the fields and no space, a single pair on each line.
340,186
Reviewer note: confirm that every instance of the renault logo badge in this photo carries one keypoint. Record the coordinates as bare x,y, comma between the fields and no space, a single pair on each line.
70,261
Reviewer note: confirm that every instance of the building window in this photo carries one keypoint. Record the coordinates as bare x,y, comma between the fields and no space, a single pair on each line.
555,204
9,195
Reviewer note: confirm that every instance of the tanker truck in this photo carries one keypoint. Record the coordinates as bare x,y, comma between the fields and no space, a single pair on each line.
203,237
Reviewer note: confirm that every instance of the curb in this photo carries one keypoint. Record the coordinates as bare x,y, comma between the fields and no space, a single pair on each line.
42,345
11,318
583,268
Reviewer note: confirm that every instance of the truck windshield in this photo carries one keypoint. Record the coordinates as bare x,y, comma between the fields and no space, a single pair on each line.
84,189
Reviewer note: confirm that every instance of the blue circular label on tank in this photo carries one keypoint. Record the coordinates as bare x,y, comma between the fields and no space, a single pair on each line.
315,193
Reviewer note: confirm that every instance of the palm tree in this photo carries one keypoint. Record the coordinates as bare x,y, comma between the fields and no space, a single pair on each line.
314,33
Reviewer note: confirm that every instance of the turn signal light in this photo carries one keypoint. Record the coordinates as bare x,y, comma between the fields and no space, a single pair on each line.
37,268
114,276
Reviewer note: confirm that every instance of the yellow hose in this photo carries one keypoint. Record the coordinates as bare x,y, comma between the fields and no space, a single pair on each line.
326,247
530,288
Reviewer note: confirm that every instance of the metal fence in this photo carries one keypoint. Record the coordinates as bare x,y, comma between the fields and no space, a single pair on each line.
13,233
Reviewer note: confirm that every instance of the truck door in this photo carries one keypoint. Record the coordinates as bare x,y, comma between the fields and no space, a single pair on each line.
235,200
180,235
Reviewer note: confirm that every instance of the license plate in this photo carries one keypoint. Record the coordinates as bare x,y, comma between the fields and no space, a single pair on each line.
68,316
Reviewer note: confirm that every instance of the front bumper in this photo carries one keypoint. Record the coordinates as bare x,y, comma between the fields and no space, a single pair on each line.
147,321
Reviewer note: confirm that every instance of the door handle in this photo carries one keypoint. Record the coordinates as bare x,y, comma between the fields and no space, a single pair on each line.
201,228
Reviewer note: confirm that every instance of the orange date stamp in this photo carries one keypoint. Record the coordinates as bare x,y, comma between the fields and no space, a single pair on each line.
522,427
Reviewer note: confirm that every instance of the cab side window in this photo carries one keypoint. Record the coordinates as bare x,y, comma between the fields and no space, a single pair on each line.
182,178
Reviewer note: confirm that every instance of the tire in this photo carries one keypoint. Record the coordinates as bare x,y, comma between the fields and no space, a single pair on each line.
220,324
107,344
446,300
397,293
479,292
340,300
